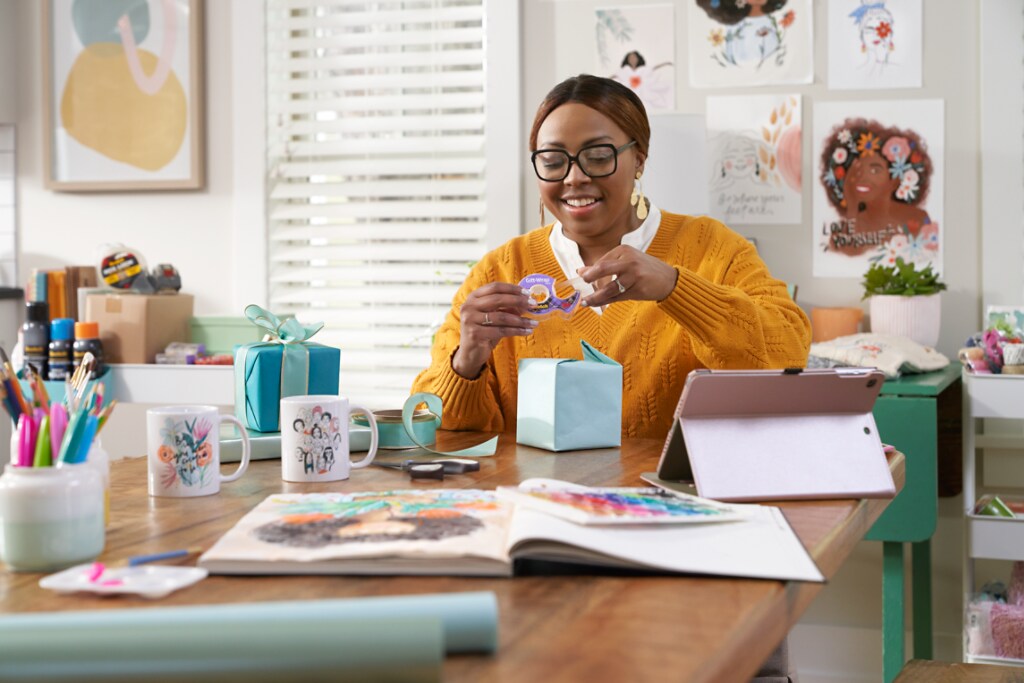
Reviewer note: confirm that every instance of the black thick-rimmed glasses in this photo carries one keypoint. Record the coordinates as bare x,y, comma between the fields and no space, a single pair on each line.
596,161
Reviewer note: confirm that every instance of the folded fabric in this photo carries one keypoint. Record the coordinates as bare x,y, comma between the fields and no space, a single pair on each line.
892,355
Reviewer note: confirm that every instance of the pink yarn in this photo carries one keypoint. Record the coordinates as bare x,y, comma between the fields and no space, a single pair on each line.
1008,630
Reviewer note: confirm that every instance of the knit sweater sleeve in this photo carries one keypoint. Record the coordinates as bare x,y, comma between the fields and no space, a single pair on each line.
738,316
469,404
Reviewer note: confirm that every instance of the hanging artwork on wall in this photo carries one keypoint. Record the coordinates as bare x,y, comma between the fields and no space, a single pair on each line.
878,185
754,159
122,94
874,44
750,42
636,46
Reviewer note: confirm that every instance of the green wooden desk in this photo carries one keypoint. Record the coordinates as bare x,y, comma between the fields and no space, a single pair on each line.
907,413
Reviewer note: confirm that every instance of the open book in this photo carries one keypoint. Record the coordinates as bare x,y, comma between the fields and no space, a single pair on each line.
474,532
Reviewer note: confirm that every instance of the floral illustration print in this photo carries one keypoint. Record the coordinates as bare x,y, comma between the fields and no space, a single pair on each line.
874,24
753,33
320,439
877,178
186,453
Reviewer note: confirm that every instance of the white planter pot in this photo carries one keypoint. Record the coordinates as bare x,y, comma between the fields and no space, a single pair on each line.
915,317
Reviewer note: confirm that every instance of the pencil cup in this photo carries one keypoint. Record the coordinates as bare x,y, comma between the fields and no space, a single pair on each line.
314,438
51,518
184,451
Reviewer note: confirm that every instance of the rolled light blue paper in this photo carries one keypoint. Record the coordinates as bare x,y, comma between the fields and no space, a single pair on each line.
469,621
107,647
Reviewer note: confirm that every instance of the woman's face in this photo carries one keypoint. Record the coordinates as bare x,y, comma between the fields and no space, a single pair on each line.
589,208
739,159
868,180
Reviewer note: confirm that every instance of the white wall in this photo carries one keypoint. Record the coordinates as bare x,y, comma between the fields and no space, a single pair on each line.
192,230
559,42
8,61
839,639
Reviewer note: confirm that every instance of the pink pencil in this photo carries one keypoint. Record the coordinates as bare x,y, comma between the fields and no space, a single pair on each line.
58,423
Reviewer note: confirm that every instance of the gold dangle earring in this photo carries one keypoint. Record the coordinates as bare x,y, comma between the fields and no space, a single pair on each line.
637,198
542,212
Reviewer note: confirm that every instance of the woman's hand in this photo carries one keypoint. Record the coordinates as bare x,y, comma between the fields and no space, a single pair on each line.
489,314
626,273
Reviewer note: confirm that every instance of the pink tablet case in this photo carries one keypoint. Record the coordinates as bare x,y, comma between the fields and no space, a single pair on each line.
748,435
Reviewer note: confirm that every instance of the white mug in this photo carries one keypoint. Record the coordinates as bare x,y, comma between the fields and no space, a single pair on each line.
314,438
184,451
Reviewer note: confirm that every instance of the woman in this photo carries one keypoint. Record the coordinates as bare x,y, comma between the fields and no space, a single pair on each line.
877,177
663,294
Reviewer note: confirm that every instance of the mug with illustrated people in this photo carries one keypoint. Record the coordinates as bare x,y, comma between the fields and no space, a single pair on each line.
315,440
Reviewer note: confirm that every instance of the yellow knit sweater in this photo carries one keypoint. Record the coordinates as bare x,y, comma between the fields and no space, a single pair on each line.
726,311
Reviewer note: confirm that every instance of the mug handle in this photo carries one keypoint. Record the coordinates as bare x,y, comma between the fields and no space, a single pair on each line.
373,436
244,464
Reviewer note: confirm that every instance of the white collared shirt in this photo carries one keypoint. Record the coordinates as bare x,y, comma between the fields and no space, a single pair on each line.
567,252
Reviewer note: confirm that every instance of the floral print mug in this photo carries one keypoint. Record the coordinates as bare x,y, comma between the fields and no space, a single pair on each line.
184,450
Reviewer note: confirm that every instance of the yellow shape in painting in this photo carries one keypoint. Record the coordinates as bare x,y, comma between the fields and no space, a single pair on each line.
104,110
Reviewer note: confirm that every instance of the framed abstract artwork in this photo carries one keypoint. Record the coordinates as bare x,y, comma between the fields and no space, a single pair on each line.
123,95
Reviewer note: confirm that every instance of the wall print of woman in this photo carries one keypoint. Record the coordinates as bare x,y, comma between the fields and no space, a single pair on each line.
877,178
754,33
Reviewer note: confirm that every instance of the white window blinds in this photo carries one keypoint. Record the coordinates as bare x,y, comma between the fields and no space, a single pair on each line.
377,175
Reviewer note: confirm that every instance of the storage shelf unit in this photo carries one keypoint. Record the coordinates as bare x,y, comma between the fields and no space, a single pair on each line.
171,384
997,538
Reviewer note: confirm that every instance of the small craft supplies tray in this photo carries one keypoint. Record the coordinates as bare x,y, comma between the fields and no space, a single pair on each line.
267,445
56,389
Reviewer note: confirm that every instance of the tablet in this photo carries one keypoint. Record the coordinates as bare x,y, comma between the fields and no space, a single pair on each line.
748,435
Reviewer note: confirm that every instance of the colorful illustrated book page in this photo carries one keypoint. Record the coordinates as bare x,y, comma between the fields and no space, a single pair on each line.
628,505
473,532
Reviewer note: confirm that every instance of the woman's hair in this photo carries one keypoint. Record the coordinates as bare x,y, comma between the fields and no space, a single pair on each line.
904,152
640,61
730,12
611,98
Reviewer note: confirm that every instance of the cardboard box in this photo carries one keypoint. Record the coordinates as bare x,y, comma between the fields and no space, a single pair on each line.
135,327
566,404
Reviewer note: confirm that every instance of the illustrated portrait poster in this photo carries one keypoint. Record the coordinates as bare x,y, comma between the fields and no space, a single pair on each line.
636,45
877,185
874,44
750,42
754,157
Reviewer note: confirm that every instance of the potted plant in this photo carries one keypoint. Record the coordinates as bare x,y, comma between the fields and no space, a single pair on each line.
904,301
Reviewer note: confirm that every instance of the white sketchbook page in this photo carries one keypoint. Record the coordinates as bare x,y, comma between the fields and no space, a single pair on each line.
762,545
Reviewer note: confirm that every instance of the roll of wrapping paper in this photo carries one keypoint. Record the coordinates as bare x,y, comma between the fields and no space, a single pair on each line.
469,620
285,646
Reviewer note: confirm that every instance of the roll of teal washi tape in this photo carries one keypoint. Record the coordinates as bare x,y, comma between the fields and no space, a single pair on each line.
392,434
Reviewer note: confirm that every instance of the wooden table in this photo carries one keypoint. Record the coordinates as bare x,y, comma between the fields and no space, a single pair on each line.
551,628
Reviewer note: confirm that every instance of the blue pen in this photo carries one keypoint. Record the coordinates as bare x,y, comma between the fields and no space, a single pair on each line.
157,557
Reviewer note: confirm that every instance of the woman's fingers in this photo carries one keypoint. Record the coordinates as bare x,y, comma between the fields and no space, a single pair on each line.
626,274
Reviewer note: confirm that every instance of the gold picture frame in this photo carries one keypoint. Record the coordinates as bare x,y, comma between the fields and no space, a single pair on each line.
123,95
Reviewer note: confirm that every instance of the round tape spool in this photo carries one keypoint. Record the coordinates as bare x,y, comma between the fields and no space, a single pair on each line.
391,433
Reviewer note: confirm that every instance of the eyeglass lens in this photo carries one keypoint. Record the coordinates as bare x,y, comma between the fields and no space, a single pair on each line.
596,161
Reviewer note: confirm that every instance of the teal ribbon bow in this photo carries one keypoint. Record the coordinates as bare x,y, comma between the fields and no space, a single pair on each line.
291,335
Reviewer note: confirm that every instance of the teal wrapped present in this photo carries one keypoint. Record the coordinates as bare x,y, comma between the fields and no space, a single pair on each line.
284,364
566,404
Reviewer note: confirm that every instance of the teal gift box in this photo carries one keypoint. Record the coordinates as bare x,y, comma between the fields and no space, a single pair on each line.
566,404
284,364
